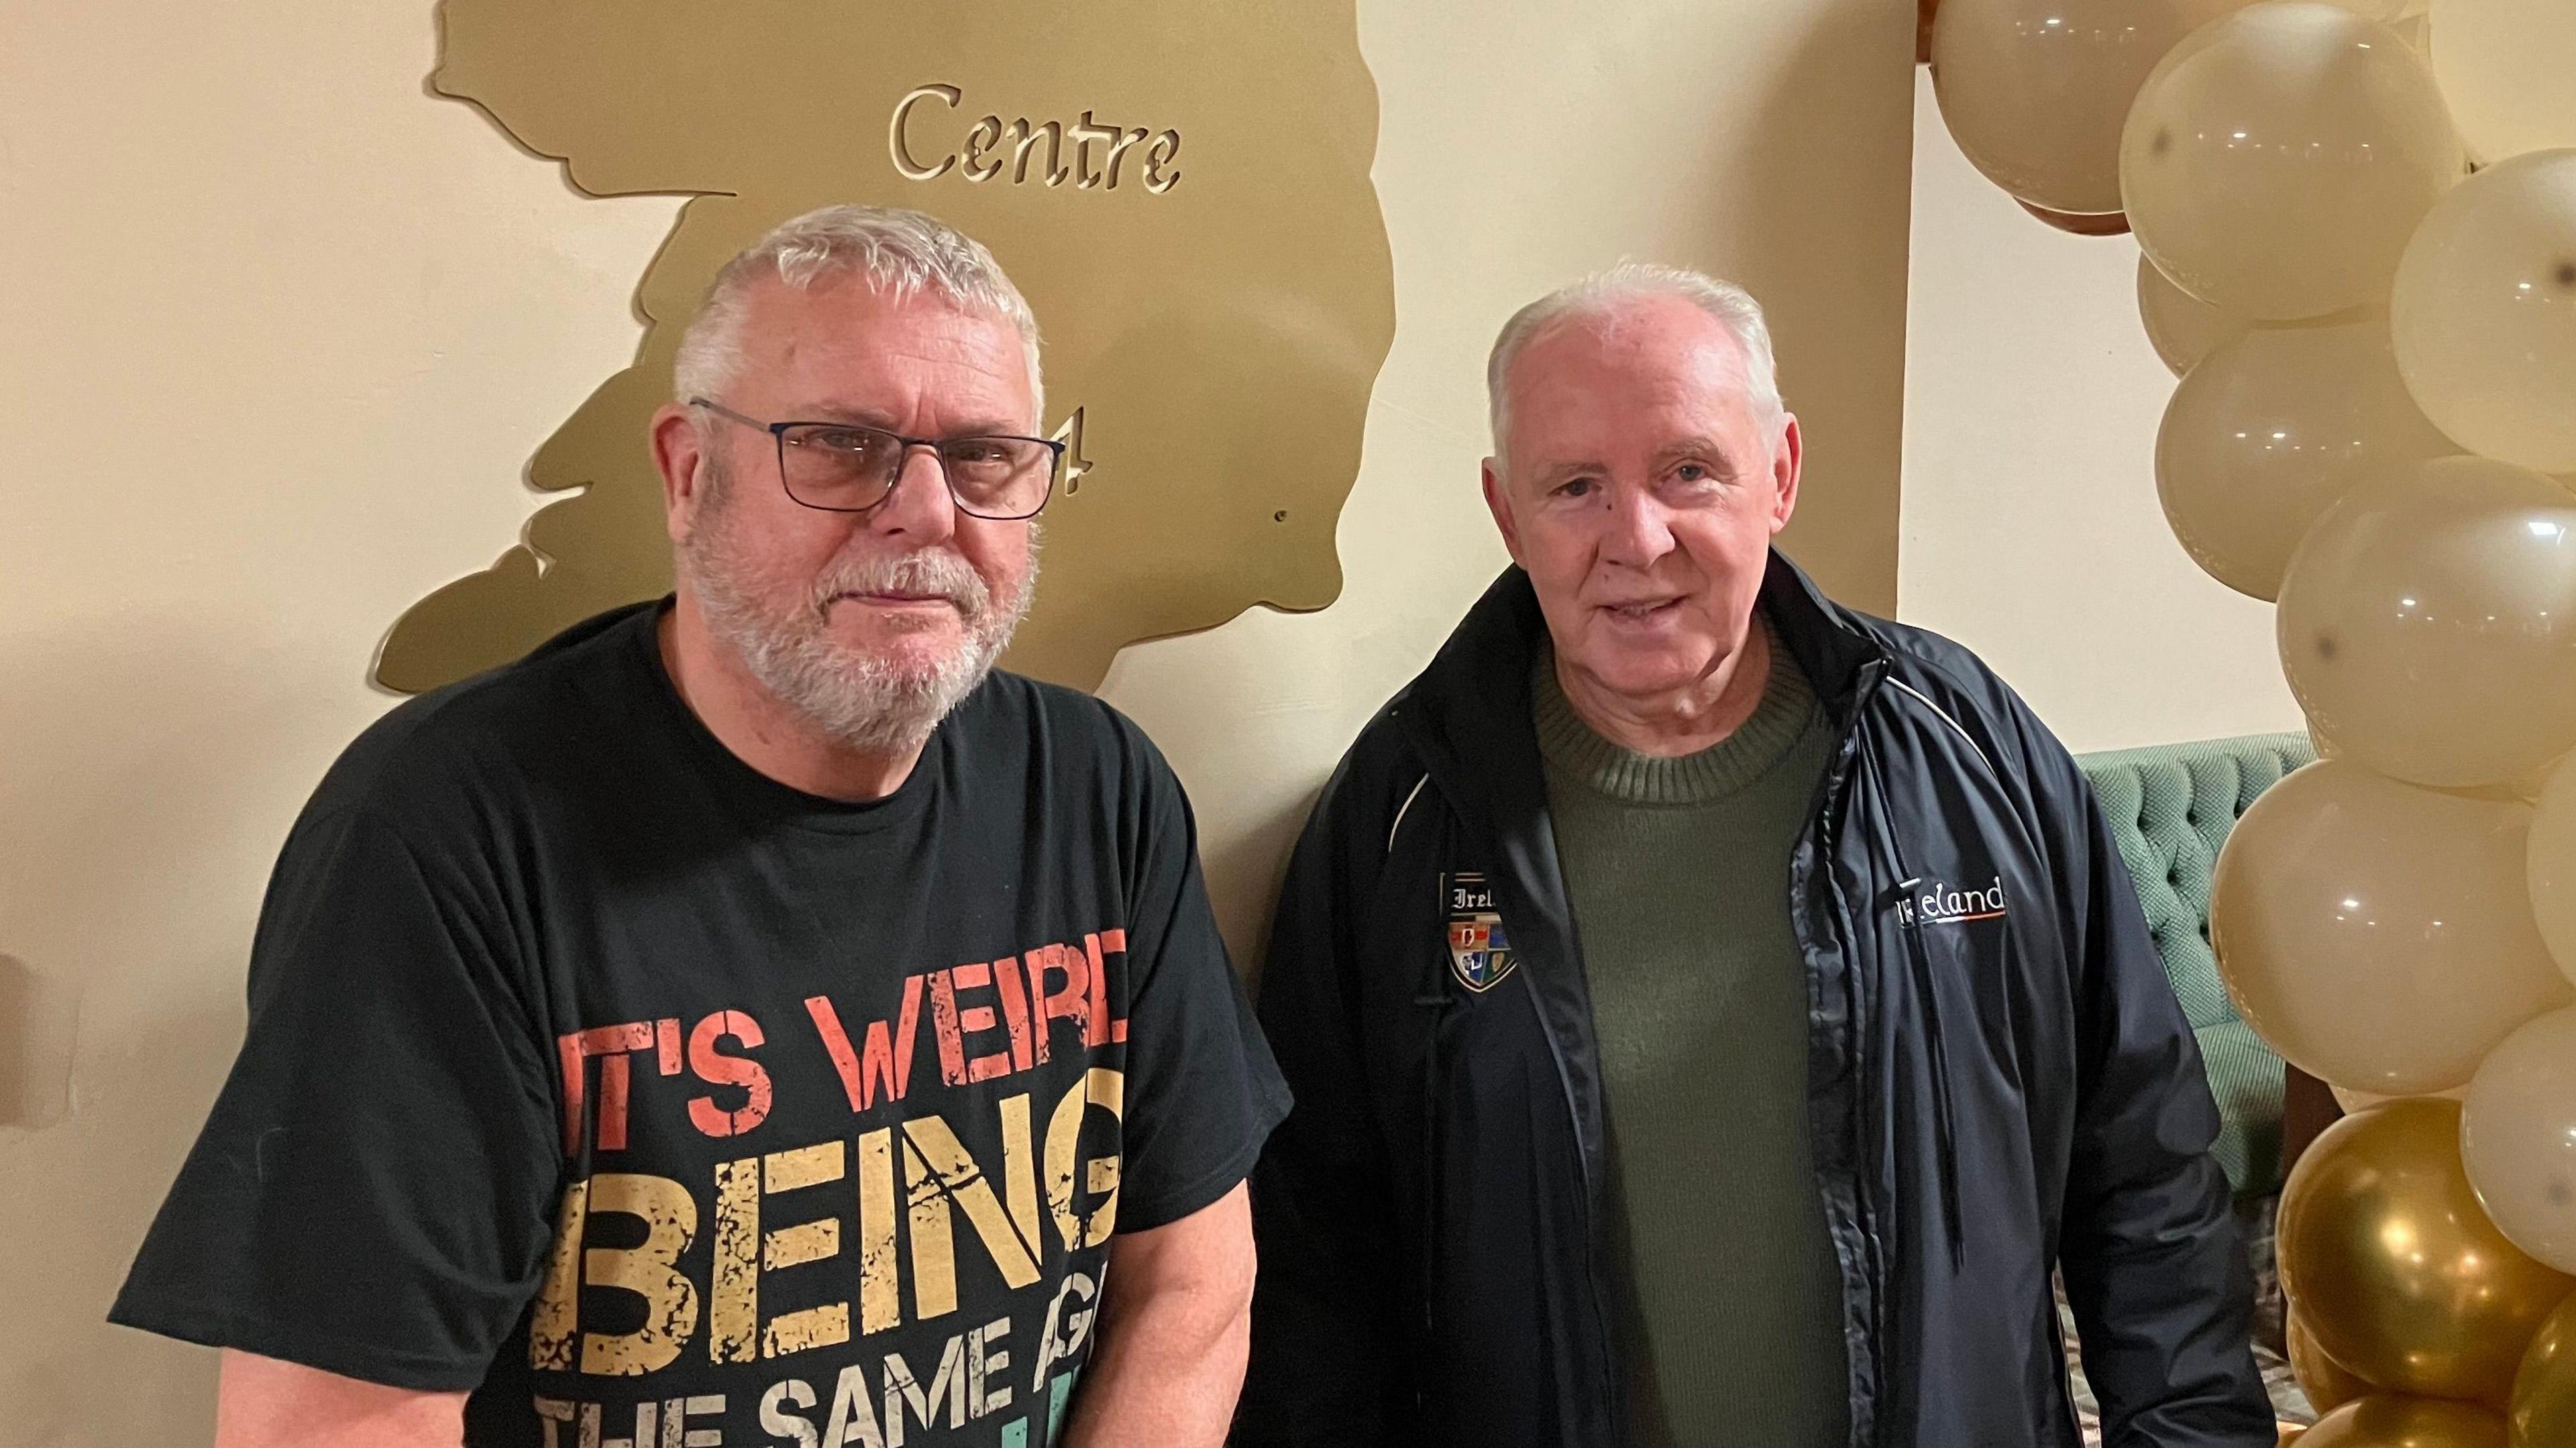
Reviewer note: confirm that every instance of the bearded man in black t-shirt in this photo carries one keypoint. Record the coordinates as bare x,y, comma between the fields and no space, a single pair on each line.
750,1019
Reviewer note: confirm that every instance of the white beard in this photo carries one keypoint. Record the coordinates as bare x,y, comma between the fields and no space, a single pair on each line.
782,632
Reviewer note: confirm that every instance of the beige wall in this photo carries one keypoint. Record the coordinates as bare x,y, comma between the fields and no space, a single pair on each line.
282,328
2032,531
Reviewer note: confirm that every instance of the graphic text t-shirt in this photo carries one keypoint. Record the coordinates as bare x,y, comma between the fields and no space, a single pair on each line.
665,1106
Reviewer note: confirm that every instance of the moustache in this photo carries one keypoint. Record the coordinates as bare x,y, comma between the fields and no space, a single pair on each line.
933,574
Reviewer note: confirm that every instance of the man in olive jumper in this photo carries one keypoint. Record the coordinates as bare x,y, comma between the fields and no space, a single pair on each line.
1714,1013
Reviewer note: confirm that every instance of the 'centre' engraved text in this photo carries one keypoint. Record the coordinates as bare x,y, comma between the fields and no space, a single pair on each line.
1098,152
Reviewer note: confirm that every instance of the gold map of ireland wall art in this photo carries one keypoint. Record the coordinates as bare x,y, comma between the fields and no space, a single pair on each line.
1180,187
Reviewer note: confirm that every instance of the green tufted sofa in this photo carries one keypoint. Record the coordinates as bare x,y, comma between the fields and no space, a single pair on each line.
2172,807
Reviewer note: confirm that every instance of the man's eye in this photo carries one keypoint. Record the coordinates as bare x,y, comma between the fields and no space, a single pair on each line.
1691,473
1579,488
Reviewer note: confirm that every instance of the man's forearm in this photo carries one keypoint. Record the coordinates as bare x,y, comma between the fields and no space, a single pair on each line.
261,1402
1167,1372
1175,1333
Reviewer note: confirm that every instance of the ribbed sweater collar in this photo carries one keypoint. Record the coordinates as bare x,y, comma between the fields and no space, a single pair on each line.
1573,750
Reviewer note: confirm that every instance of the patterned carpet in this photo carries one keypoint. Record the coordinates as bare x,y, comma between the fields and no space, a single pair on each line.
2288,1403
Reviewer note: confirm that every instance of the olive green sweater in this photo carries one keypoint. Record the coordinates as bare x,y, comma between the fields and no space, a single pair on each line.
1678,871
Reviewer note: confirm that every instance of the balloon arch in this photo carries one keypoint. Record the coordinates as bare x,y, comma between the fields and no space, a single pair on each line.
2358,227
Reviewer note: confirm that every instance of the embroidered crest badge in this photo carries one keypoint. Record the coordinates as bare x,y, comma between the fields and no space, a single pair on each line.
1480,955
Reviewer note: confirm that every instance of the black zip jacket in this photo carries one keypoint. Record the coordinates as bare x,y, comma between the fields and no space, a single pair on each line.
1999,1081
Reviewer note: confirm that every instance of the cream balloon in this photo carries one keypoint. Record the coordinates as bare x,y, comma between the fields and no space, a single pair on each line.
2521,789
2181,327
2269,431
2109,223
2428,623
2518,1138
2356,1102
2525,787
2322,742
2035,91
2278,159
2376,934
2485,311
2506,67
2550,864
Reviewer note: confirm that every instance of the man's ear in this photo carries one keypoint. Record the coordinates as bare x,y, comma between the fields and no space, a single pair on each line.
1788,457
1498,503
679,452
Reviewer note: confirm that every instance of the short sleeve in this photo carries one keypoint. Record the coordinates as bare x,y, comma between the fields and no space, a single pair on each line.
371,1195
1202,1092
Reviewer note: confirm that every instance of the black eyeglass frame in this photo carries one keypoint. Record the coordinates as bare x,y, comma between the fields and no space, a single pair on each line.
778,438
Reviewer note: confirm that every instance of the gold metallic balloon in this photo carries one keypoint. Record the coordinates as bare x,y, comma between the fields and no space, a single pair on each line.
2034,91
2272,429
2399,1274
2518,1138
2395,1422
2328,1384
2278,159
2544,1393
2428,623
2377,934
2181,327
2506,65
2550,866
2485,311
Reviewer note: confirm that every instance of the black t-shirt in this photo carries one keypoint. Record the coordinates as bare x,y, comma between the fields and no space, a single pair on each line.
662,1104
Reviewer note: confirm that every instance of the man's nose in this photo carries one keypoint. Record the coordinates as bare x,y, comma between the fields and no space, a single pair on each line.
917,504
1637,532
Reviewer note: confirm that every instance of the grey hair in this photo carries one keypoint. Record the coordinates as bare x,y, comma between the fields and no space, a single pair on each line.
900,253
1630,281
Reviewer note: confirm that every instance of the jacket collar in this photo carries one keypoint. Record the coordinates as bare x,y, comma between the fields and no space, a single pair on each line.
1836,646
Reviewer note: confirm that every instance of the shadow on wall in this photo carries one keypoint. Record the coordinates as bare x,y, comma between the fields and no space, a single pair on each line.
1243,877
147,786
1828,261
77,1199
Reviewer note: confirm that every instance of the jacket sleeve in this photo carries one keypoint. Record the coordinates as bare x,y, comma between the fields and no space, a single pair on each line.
2154,1264
1328,1343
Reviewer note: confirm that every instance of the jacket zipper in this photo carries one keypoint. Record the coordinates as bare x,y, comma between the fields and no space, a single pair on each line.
1865,1211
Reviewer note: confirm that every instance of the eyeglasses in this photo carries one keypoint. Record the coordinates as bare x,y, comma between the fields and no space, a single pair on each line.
848,467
